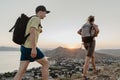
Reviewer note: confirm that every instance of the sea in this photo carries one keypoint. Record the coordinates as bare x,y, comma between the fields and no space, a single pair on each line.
10,60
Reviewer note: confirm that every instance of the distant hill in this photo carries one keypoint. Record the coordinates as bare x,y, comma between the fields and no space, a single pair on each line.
114,52
4,48
8,49
61,52
64,52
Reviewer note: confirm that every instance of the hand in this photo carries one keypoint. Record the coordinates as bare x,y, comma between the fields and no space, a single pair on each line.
33,53
40,29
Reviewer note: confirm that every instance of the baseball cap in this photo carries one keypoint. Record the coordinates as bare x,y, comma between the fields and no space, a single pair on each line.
42,8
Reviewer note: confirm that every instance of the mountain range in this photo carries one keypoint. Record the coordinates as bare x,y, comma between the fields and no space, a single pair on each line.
79,53
2,48
114,52
62,51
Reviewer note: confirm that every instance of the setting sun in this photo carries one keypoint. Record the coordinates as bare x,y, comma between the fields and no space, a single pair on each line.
71,46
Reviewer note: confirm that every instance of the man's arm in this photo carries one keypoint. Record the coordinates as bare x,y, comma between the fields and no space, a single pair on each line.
32,42
96,30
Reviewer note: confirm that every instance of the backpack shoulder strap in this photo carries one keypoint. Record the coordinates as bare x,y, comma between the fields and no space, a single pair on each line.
90,30
11,29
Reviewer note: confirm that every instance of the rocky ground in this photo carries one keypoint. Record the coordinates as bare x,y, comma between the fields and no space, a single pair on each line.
109,72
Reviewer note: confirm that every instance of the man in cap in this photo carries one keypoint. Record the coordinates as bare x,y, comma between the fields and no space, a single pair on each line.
29,51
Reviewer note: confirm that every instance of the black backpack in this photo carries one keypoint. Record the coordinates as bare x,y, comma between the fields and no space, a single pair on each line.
20,29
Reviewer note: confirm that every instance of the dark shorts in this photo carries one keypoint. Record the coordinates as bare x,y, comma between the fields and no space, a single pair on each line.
26,52
90,47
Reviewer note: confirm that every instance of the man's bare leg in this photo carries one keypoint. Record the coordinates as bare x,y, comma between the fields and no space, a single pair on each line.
86,65
93,63
22,70
45,66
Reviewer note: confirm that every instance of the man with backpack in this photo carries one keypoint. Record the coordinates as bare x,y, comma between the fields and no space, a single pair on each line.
29,50
88,32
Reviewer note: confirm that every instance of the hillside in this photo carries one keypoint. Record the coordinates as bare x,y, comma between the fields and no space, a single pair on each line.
68,65
2,48
114,52
61,52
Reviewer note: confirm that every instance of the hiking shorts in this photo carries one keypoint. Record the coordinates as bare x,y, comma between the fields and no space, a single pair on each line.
26,54
90,47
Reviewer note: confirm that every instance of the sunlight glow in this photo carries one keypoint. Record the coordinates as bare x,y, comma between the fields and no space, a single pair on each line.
71,46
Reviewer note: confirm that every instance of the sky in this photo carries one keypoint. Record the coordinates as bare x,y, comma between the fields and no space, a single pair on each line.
66,18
